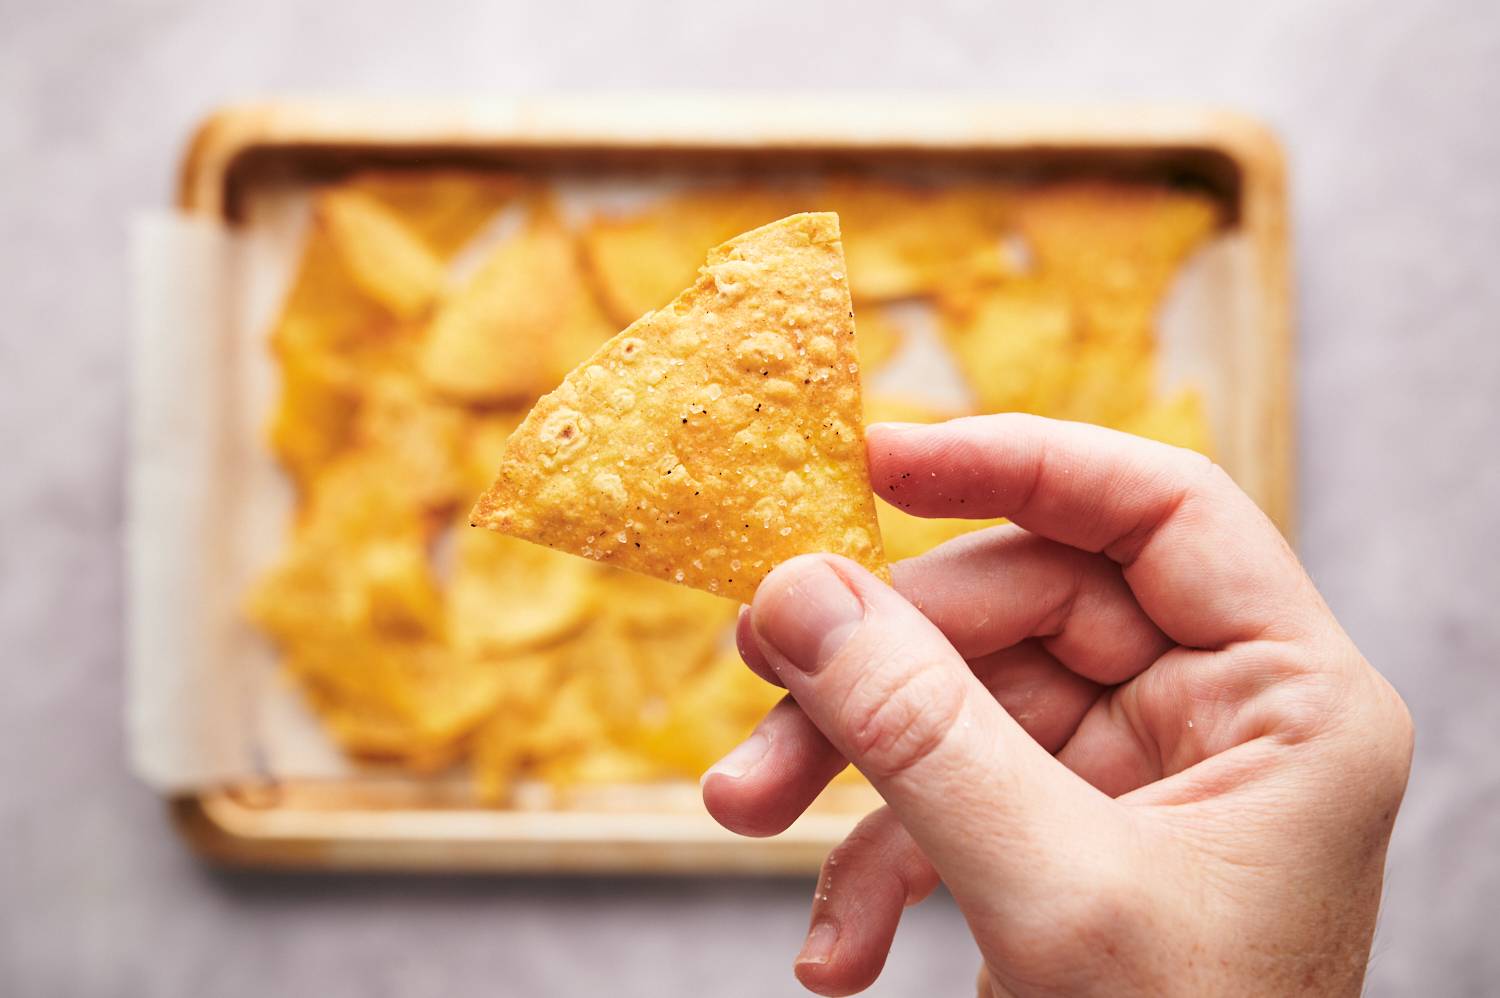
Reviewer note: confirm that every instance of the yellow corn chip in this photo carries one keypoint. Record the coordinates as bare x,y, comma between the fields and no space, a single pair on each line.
878,338
390,264
523,321
641,261
1179,420
408,700
1015,345
1108,381
905,241
1114,239
707,717
325,311
507,595
713,439
445,209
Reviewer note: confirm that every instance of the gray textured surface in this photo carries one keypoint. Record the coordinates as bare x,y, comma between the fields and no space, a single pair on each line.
1388,111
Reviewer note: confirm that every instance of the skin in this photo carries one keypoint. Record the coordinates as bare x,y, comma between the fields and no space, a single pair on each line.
1124,730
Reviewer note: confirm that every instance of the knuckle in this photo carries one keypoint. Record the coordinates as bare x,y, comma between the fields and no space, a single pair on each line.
893,726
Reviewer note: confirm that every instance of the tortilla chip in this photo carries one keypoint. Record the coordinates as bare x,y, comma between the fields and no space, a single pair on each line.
878,338
445,209
389,263
325,311
507,595
410,701
707,717
1107,383
713,439
523,321
1015,345
1114,240
639,262
1180,420
906,241
314,415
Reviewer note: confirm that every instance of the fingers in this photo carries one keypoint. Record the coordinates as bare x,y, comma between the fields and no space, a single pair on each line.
1205,564
988,806
762,787
865,883
991,590
1046,699
764,784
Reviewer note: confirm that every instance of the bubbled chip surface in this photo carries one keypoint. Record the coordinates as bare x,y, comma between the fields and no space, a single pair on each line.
714,438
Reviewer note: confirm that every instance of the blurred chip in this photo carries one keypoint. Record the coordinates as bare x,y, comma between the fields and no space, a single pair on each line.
702,457
1114,240
1015,343
640,261
408,701
399,399
508,595
522,321
387,261
905,241
1180,420
445,209
707,717
878,338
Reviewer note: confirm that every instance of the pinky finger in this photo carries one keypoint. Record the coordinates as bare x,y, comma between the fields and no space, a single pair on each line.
866,882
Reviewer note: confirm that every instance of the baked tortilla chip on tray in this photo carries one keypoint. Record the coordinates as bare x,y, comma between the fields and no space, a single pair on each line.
520,323
388,261
714,438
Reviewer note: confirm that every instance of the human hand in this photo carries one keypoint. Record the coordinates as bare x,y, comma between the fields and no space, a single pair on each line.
1126,732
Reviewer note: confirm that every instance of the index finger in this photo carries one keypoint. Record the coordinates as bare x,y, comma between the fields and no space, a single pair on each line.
1201,558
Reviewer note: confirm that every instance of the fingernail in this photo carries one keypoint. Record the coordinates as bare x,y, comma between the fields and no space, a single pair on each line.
818,949
807,619
741,759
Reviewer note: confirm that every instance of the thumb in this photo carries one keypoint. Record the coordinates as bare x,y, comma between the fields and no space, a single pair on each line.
989,806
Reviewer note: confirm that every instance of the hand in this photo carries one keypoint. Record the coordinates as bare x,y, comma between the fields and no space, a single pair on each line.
1125,732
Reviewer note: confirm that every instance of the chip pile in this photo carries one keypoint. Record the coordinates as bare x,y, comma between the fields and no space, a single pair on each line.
422,643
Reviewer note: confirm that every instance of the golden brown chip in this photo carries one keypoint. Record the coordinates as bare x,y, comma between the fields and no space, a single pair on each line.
507,595
639,262
325,312
707,717
878,338
523,321
672,631
408,700
1179,420
444,208
907,536
713,439
1015,344
315,413
1114,240
905,241
420,440
1108,381
388,262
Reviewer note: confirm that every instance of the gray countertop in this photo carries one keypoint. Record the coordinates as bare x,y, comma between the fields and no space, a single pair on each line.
1388,112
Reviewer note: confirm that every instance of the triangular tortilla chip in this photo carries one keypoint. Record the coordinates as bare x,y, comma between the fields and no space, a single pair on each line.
713,439
444,208
523,321
388,262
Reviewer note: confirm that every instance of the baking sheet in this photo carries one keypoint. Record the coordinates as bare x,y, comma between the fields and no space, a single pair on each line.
209,508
